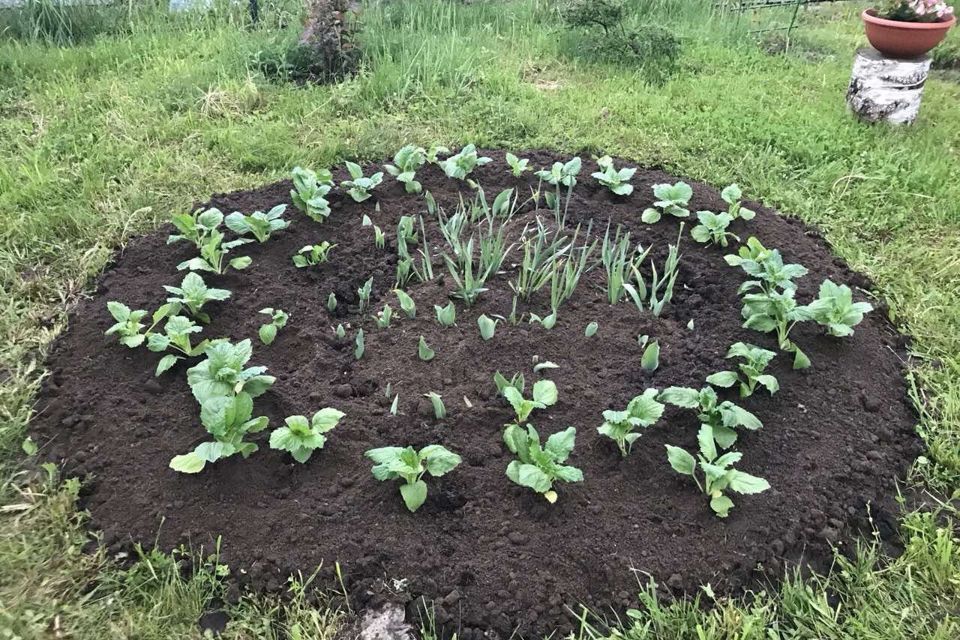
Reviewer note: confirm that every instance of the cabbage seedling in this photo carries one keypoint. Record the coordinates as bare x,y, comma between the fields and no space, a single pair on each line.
517,165
224,372
488,326
650,360
562,173
732,195
313,254
228,418
196,227
544,395
384,317
719,476
672,199
538,467
643,411
411,466
364,293
407,305
193,293
213,253
755,360
309,192
301,437
424,352
176,335
258,224
462,164
278,320
618,181
713,228
722,417
128,324
332,302
406,163
439,409
360,345
446,315
835,309
359,187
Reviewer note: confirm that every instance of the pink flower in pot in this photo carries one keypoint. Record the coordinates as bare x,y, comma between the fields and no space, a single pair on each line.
908,28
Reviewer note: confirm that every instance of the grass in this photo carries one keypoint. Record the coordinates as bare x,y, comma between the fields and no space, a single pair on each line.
104,139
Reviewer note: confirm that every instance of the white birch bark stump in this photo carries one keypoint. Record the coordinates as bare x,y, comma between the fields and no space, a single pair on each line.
887,89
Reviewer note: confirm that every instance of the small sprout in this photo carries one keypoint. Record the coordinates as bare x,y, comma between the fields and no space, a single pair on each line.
562,173
517,382
301,437
713,228
193,293
407,161
360,345
755,360
547,322
340,332
642,340
538,467
446,315
642,411
835,309
332,302
313,254
541,366
487,326
359,187
384,317
309,192
425,352
718,472
278,320
258,224
671,199
462,164
732,195
439,409
379,239
410,465
690,324
364,293
618,181
650,359
407,305
544,395
517,166
591,329
395,405
723,417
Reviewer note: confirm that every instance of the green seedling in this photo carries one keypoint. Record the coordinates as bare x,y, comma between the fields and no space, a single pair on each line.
213,255
462,164
196,227
591,329
542,366
544,395
364,293
723,417
751,374
359,187
384,317
835,309
128,326
359,345
517,382
617,180
547,322
340,332
434,152
732,195
228,418
719,476
379,239
672,199
313,254
193,293
301,437
488,326
439,409
468,280
176,335
620,264
517,165
224,372
713,228
332,302
424,352
538,467
446,315
278,320
406,162
309,193
562,173
258,224
411,466
620,426
407,305
650,360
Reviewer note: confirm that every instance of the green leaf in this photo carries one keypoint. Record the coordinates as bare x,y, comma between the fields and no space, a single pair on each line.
406,303
721,505
680,460
424,351
683,397
29,446
560,444
591,330
747,484
528,475
487,326
438,460
414,495
188,463
268,333
724,379
166,362
650,359
326,419
545,392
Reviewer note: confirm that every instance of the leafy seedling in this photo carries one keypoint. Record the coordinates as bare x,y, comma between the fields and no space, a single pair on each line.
128,326
309,193
301,437
446,315
732,195
538,467
224,372
488,326
617,180
562,173
340,332
517,382
195,227
835,309
547,322
424,351
650,360
719,476
620,426
406,163
258,224
278,320
439,409
591,329
462,164
407,305
193,293
755,360
213,255
434,152
544,395
176,335
384,317
332,302
722,417
672,199
411,466
359,187
228,418
313,254
713,228
364,293
359,345
517,165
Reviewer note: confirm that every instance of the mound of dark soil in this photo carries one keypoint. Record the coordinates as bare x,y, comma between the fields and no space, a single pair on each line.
491,555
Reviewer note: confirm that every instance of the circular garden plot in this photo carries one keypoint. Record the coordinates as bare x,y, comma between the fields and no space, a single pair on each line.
486,551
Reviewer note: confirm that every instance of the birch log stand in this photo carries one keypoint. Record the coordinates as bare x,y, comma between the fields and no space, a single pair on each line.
887,89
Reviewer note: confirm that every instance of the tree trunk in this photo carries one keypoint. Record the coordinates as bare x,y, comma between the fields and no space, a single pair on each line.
886,89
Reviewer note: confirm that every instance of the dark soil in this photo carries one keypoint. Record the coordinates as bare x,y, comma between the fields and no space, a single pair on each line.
489,554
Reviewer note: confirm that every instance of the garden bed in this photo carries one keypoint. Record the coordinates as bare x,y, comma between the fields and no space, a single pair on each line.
488,553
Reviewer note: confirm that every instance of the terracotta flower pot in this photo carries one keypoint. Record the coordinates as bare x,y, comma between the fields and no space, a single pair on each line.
898,39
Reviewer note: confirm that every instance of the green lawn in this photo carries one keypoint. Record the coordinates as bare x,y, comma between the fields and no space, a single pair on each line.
105,139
